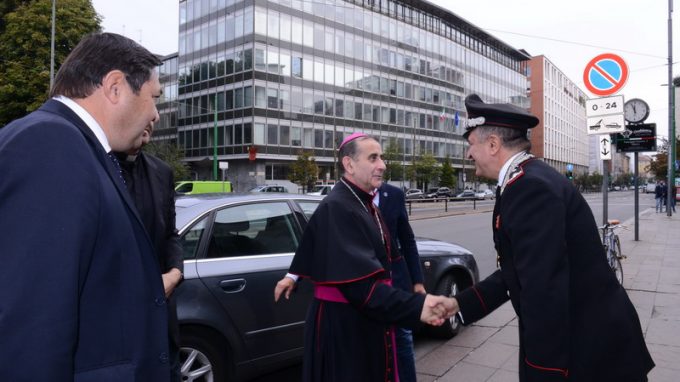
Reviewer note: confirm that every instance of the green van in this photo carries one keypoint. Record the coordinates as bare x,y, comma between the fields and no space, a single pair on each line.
191,187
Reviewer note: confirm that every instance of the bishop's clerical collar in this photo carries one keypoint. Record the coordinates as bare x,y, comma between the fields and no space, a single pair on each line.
365,196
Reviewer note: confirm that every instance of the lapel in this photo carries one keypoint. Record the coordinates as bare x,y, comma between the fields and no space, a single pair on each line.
59,108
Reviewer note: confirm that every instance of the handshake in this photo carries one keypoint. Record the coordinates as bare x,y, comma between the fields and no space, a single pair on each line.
437,309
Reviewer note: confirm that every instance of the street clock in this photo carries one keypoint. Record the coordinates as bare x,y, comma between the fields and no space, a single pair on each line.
635,110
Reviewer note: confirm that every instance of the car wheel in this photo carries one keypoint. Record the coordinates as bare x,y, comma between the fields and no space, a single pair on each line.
447,286
201,360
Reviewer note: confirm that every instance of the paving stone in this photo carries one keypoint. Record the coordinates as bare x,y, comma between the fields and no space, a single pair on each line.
491,354
509,335
504,376
439,361
425,378
663,332
472,336
660,374
665,356
512,364
426,345
467,372
499,317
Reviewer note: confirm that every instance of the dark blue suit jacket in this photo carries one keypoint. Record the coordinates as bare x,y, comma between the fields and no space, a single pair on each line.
81,296
406,264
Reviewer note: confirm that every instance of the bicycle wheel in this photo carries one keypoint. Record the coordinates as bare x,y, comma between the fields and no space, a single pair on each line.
615,259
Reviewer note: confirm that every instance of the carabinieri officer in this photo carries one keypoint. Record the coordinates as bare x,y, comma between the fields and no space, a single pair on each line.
576,322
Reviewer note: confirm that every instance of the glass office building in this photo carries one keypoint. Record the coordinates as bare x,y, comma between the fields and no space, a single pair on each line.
166,129
261,80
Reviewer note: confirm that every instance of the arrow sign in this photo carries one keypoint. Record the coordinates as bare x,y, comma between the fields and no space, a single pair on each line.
605,147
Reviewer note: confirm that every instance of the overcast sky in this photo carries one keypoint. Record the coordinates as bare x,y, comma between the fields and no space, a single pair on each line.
569,33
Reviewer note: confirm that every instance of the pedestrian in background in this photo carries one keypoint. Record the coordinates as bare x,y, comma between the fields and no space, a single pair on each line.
152,188
406,272
81,296
575,321
658,196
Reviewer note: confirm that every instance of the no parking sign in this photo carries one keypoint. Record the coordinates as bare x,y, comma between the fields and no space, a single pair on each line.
605,74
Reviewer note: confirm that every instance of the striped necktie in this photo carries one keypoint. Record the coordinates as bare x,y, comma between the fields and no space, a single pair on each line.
113,158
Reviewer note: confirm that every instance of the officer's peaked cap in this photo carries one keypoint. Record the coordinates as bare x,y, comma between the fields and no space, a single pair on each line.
496,114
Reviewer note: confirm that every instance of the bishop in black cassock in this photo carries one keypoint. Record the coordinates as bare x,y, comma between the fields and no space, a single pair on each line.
345,252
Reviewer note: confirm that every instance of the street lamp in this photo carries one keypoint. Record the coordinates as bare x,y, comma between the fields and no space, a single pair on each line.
54,14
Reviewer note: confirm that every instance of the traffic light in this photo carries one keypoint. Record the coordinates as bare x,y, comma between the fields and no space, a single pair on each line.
569,175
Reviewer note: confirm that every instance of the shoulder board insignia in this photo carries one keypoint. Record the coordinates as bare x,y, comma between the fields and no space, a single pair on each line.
517,172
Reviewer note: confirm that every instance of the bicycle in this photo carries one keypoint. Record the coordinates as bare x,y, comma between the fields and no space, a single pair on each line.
612,248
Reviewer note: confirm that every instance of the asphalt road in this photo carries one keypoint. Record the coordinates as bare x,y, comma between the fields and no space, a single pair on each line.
473,230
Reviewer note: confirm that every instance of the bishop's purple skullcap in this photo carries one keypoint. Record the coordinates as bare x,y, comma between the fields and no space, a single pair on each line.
350,138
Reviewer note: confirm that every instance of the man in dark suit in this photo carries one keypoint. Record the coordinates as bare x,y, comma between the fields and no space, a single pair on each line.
81,296
151,185
406,272
575,320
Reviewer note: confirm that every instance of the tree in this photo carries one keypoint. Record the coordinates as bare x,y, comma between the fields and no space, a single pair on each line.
659,164
425,170
447,177
172,155
392,157
25,50
7,6
581,181
304,171
595,181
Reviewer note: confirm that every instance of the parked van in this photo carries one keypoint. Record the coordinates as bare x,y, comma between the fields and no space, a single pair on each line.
201,187
650,187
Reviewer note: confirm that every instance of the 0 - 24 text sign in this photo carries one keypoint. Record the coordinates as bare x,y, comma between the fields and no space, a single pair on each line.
604,106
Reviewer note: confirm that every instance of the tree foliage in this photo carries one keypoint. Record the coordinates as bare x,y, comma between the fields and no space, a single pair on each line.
7,6
304,171
588,182
659,163
447,178
425,170
172,155
25,49
393,157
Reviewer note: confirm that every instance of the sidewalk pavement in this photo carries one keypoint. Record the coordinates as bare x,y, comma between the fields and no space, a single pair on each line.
488,349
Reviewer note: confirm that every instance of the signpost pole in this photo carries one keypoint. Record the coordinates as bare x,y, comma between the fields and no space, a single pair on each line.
671,138
637,197
605,189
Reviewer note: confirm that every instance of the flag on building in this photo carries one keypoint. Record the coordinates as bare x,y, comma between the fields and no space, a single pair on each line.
455,119
442,116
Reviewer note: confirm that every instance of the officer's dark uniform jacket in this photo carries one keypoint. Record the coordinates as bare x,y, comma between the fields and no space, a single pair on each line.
575,320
